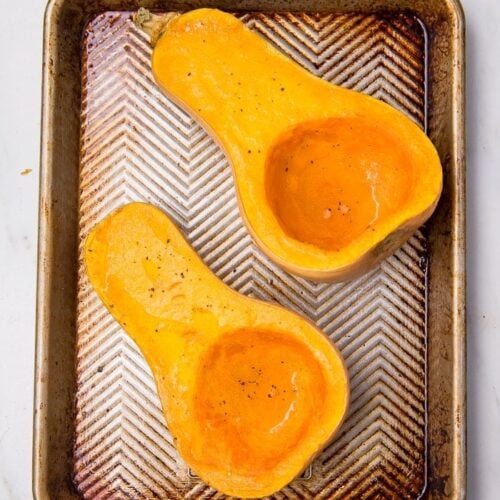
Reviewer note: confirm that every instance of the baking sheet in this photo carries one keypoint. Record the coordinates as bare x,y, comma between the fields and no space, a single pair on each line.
136,145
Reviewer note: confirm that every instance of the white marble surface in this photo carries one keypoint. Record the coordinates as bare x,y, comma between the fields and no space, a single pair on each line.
20,68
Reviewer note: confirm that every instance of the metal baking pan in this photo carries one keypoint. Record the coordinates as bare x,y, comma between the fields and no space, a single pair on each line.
110,136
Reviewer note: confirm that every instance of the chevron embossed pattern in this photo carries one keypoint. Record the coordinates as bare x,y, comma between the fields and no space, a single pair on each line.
137,145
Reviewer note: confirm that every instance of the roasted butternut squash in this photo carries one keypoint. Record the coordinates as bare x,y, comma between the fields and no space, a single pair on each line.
329,181
251,392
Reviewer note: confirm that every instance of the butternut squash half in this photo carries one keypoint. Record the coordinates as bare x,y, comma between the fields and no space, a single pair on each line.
251,392
329,181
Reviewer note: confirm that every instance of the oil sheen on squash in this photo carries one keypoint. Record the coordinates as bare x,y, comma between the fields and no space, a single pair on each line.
250,369
251,392
361,178
327,186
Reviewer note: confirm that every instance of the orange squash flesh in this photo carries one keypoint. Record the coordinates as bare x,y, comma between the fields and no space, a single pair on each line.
250,369
327,187
251,392
369,179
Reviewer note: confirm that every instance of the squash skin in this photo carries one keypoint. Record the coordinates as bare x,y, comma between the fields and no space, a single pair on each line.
247,97
178,312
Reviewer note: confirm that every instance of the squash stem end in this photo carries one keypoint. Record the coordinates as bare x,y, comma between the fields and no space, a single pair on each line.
152,24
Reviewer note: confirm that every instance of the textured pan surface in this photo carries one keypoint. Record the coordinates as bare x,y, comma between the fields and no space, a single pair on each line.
137,145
